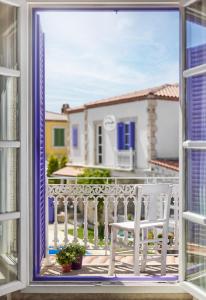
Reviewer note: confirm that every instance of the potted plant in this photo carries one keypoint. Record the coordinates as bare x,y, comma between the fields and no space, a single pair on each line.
78,251
65,258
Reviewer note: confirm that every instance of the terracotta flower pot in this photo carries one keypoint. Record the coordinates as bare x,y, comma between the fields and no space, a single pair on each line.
66,268
77,265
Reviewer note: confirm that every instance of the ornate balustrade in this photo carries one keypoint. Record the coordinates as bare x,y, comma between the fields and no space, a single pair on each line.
92,207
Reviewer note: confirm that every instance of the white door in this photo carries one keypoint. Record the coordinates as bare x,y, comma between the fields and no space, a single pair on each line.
193,109
12,146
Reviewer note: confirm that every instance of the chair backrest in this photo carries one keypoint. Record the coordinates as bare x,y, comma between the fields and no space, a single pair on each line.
153,202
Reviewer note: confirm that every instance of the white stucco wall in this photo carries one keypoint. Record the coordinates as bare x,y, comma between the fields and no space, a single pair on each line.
136,111
77,154
167,134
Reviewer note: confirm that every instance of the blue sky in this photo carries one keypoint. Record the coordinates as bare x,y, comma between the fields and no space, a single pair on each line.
95,55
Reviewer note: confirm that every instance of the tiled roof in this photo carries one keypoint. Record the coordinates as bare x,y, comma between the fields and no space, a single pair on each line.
52,116
166,163
69,171
167,92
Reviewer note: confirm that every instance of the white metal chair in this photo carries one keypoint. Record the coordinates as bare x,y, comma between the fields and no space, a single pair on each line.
152,209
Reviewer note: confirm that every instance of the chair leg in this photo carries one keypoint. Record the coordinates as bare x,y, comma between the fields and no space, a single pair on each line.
136,254
144,250
164,251
112,251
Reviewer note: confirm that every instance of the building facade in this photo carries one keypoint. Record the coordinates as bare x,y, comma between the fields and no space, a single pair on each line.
125,133
56,134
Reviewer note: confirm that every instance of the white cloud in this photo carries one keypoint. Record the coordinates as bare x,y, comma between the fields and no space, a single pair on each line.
97,55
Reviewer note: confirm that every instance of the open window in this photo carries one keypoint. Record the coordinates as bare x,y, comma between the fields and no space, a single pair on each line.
194,147
13,213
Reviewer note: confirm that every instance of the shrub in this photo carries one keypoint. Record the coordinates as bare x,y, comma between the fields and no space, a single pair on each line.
53,165
63,162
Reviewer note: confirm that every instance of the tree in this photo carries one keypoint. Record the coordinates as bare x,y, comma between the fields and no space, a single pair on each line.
53,165
63,162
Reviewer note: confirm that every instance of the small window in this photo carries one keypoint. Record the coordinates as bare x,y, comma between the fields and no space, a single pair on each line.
75,136
126,136
59,137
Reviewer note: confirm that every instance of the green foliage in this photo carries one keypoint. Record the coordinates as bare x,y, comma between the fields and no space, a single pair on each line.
80,234
89,172
63,162
53,165
76,249
65,257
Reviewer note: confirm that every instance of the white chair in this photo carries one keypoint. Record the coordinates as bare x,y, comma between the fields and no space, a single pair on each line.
153,205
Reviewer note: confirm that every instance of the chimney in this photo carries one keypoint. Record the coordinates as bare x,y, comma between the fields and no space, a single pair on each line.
64,108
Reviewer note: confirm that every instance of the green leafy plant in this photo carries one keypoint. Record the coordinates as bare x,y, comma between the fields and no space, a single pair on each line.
76,249
65,257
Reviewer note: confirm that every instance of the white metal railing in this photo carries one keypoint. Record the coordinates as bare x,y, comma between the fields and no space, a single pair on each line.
125,159
102,203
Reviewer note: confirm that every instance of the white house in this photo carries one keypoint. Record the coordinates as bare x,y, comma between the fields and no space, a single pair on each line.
130,134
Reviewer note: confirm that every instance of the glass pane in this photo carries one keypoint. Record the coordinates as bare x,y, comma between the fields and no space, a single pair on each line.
196,181
195,254
8,251
8,108
8,36
100,129
196,34
196,107
8,180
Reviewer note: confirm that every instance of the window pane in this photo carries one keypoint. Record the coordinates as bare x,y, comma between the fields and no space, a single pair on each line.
8,181
59,137
196,34
196,181
8,108
196,107
100,129
195,254
8,36
8,251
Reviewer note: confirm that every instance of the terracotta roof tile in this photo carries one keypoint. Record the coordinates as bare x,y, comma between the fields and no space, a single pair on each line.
168,92
166,163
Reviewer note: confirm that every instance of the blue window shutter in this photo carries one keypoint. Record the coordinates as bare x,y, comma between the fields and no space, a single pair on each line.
120,136
74,136
132,135
39,150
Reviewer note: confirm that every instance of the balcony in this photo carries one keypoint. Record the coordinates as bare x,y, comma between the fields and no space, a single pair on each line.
82,212
125,159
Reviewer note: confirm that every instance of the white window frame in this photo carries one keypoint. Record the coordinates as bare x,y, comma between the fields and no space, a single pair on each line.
93,287
97,154
21,145
187,144
53,137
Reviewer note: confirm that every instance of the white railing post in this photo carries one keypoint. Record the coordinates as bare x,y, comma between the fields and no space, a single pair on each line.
65,221
106,225
125,218
85,201
96,223
75,202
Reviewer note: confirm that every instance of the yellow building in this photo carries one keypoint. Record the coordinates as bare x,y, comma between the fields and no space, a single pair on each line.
56,134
